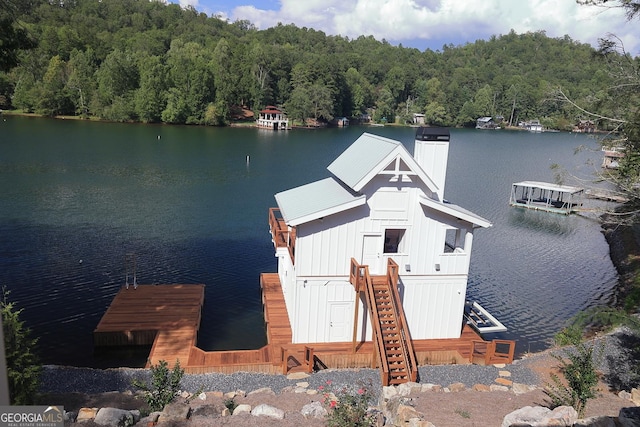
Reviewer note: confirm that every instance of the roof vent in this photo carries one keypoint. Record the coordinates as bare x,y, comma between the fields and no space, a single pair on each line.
432,134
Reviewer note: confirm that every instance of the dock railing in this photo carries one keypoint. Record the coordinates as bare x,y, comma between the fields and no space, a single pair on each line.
491,352
282,237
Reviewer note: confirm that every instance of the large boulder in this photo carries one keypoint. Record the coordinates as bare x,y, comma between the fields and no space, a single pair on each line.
314,410
267,411
539,416
175,412
629,417
115,417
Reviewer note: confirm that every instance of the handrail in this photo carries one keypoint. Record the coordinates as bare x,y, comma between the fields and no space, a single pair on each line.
355,276
407,343
282,237
358,275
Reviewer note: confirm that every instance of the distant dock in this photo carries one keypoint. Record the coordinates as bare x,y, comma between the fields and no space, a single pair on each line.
545,196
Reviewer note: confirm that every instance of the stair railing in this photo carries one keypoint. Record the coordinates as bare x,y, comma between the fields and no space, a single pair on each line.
405,336
361,279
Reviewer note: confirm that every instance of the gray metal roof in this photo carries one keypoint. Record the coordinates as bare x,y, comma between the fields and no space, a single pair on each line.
367,156
456,211
361,157
316,200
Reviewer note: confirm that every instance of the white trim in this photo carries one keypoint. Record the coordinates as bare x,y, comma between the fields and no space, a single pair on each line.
455,211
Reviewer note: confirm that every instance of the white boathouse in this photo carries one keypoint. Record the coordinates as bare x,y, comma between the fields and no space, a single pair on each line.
272,118
380,214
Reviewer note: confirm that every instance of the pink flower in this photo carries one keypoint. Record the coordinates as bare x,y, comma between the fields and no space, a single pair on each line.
328,382
333,404
360,391
321,388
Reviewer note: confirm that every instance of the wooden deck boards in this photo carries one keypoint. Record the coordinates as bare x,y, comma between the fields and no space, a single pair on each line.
168,317
164,316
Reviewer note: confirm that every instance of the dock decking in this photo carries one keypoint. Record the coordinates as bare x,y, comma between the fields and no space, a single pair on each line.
167,317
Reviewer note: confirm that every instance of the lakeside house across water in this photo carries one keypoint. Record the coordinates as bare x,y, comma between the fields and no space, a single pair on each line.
272,118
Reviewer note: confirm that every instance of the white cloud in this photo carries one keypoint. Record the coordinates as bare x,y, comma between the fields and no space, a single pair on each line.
185,3
455,20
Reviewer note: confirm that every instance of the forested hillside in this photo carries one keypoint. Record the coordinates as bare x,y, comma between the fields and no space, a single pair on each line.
141,60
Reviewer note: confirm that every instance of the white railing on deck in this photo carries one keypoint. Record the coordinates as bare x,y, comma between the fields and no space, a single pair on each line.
454,263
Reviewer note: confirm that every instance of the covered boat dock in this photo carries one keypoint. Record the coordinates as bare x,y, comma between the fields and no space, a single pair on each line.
546,196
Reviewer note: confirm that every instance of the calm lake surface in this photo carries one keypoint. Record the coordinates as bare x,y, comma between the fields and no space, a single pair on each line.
77,197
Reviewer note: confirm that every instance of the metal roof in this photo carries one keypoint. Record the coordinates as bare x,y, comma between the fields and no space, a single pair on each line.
361,157
367,156
316,200
549,186
456,211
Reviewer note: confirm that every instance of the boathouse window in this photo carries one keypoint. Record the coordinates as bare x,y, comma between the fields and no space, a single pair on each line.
452,240
393,240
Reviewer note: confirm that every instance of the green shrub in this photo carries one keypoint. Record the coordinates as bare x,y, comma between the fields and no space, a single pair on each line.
580,378
164,385
347,408
603,319
23,366
570,335
230,404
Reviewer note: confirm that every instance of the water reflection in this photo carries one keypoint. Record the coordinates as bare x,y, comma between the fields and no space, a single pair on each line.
544,222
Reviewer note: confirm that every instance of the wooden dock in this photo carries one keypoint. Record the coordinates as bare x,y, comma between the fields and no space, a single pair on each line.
167,318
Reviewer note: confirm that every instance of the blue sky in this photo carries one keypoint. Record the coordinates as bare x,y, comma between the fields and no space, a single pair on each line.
432,23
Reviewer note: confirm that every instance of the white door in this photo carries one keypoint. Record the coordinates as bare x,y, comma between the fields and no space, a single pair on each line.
371,249
340,314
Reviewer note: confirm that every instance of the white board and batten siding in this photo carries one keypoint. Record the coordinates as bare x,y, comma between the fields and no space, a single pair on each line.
434,305
324,309
433,299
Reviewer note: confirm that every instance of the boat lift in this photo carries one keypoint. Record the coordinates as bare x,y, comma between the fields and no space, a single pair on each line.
562,199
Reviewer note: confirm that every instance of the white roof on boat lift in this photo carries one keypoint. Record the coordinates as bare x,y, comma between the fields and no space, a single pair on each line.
549,186
456,211
316,200
369,155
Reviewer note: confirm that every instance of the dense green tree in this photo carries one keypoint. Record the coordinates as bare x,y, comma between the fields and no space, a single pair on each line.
483,102
299,105
320,101
190,81
23,365
14,36
117,78
150,98
224,77
435,114
54,96
81,82
200,68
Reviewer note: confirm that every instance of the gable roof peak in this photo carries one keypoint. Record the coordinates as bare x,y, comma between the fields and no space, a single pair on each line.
369,155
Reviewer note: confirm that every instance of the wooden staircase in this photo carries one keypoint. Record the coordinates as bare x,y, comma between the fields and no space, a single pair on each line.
391,337
392,342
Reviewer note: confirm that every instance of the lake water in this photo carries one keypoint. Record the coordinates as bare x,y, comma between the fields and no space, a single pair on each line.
77,197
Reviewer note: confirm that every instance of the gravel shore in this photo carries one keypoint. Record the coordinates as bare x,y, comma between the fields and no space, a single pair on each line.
615,363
